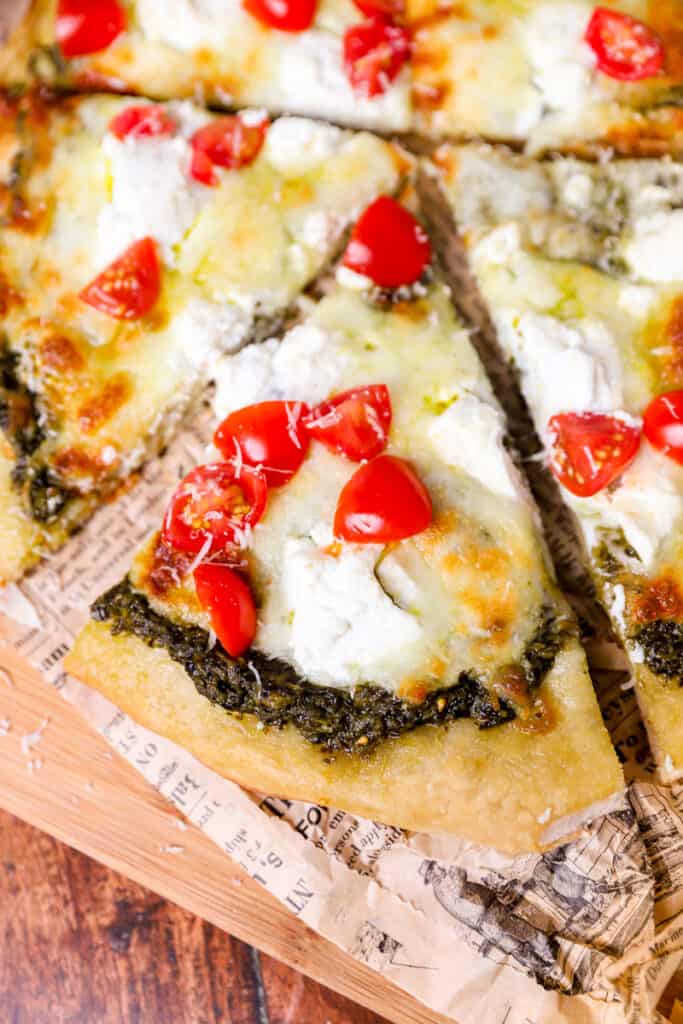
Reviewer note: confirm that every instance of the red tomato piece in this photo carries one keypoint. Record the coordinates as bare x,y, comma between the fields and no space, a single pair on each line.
142,119
388,245
215,506
227,597
225,142
129,286
387,8
88,26
625,48
590,449
286,15
374,53
270,435
354,423
663,424
384,500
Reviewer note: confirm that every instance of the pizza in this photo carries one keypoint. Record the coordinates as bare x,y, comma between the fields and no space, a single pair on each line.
350,601
544,73
581,267
139,241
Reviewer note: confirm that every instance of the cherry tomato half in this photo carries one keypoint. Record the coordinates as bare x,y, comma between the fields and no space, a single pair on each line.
142,119
387,8
354,423
88,26
225,142
227,598
129,286
663,424
384,500
374,53
286,15
590,449
388,245
625,48
219,502
269,435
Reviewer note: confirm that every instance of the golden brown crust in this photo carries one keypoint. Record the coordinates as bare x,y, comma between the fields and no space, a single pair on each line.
498,787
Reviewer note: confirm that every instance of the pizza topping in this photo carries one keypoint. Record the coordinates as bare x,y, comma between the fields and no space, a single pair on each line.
285,15
228,599
215,506
88,26
129,286
589,450
374,53
388,245
269,435
387,8
145,119
384,501
225,142
354,423
663,424
625,48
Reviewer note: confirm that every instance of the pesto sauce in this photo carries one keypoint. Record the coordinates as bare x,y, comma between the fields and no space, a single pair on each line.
337,720
45,496
662,645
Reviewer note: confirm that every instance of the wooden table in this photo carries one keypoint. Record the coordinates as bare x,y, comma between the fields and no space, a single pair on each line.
81,943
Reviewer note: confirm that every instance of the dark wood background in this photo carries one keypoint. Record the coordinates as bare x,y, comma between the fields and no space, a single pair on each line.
80,944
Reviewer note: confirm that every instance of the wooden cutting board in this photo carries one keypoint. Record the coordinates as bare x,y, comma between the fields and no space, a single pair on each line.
78,790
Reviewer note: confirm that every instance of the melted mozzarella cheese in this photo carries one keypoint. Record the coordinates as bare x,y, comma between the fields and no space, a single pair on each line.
566,368
306,368
295,146
469,435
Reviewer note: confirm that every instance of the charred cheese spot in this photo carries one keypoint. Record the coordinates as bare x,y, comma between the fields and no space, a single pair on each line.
431,96
665,17
9,296
78,462
102,406
658,599
57,352
669,350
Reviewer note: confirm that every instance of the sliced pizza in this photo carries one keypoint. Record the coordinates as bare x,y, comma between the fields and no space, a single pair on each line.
350,602
553,74
139,240
581,266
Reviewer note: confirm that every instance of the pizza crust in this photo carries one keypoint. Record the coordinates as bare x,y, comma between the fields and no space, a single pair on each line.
500,787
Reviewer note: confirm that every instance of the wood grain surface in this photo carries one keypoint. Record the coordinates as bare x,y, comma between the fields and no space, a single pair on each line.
78,942
88,797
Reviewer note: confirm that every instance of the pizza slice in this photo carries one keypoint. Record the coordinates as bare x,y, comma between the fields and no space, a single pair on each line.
581,266
537,71
139,240
350,602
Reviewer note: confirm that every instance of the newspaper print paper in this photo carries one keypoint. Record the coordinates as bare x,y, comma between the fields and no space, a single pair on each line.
590,932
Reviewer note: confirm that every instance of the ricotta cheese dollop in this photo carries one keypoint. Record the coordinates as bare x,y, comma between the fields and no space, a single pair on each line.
345,629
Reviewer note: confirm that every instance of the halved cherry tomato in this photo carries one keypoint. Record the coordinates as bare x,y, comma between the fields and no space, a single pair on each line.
227,598
88,26
354,423
384,500
388,8
225,142
142,119
388,245
129,286
374,53
663,424
269,435
625,48
287,15
219,502
590,449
